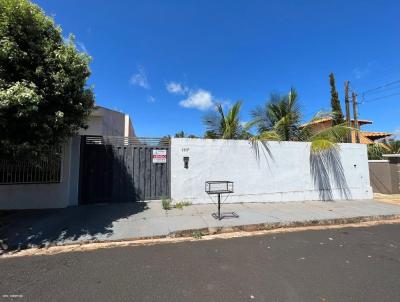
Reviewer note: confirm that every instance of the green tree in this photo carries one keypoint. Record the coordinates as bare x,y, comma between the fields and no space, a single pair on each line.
43,94
279,119
180,134
335,103
226,126
280,114
376,150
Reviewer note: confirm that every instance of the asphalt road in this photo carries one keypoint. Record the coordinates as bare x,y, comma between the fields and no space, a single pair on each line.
350,264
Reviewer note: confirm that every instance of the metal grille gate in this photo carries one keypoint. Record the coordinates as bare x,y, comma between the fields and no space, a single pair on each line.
121,169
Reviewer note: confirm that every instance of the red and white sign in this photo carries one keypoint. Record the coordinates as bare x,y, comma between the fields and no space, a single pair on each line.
159,156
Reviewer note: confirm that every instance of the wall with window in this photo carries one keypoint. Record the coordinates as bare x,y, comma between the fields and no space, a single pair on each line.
271,172
36,190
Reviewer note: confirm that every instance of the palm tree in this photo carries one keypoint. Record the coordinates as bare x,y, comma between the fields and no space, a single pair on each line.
180,134
325,139
279,119
226,126
376,150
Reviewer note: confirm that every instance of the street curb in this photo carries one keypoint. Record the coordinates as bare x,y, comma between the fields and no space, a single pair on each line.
200,232
278,225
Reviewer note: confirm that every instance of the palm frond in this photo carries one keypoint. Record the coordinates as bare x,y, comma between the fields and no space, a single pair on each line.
226,126
268,136
336,134
375,151
320,145
394,146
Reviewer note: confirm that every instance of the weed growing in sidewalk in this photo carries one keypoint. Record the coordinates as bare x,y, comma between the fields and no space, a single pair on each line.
181,204
166,203
197,234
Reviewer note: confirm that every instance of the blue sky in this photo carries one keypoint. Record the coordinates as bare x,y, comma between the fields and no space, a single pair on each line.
167,62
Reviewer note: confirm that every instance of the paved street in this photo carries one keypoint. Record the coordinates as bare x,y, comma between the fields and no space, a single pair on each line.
348,264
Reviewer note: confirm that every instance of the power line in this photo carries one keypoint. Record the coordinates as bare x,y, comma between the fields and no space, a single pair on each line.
384,90
379,98
380,87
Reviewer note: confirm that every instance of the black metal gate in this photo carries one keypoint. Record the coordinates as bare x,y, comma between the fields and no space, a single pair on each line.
122,169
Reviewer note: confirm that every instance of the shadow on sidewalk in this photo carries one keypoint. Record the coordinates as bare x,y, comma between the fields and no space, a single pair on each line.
51,226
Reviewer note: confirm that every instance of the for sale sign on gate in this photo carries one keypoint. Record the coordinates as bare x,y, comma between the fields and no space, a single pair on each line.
159,156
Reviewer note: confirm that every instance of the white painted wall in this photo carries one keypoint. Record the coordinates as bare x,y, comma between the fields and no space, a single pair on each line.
107,122
284,175
42,196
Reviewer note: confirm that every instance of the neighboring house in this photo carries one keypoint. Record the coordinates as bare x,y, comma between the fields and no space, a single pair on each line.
53,183
366,137
107,122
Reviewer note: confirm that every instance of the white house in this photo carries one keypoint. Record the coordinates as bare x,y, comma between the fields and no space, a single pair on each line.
107,122
59,187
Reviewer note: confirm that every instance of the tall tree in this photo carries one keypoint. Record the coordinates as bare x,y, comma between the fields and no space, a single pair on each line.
335,102
281,114
43,94
279,119
226,126
347,103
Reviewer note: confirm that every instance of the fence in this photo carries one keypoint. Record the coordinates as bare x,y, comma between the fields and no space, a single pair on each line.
51,182
44,170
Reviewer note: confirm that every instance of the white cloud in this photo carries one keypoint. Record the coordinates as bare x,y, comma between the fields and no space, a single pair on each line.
200,99
176,88
81,46
151,99
361,72
140,79
224,103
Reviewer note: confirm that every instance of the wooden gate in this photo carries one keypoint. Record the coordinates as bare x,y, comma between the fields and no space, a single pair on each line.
121,169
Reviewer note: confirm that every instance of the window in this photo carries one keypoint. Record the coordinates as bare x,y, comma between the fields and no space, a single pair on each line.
25,171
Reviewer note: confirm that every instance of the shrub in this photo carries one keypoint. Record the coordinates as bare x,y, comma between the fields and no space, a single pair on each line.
166,203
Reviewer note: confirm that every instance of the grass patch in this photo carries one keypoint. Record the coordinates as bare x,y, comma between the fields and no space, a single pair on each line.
166,203
197,234
181,204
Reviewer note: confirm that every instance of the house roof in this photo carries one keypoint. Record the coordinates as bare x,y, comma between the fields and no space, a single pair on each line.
329,118
368,137
376,134
363,139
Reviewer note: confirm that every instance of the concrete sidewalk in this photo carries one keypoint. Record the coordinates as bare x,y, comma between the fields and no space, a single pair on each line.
111,222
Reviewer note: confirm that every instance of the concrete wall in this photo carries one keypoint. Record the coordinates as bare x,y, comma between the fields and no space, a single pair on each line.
280,171
41,196
107,122
385,175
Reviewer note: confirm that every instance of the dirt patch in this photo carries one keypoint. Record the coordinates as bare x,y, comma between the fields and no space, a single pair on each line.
388,198
53,250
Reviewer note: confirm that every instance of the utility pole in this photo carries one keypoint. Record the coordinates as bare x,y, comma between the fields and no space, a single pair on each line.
355,112
347,102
